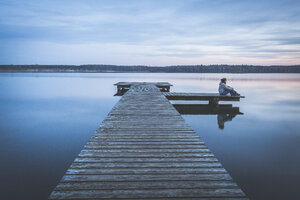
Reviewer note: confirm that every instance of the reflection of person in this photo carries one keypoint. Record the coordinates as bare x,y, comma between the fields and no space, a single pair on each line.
222,118
225,89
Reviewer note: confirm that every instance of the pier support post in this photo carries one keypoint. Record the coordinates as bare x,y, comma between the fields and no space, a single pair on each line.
214,102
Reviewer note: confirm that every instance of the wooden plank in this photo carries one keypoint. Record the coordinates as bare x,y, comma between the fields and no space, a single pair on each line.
147,143
151,137
144,141
145,171
137,160
151,177
125,185
140,138
202,164
142,151
146,147
146,132
145,150
168,198
100,154
152,193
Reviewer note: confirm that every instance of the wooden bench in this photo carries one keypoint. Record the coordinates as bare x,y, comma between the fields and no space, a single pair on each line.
124,86
213,98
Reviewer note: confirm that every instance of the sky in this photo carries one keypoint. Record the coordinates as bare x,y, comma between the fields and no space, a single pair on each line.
150,32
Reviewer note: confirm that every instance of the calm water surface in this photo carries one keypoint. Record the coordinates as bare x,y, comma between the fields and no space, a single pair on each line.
45,120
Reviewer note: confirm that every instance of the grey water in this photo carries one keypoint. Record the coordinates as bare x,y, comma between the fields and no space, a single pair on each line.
46,119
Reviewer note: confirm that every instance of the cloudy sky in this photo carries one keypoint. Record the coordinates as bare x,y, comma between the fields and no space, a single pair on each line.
150,32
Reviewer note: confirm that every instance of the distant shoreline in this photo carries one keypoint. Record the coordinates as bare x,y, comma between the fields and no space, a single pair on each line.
131,72
148,69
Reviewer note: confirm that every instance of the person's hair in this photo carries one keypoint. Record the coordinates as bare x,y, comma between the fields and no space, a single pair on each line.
223,80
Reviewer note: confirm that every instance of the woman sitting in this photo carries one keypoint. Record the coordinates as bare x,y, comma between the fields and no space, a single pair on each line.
225,89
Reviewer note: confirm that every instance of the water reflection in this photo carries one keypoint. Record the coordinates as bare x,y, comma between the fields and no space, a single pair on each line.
222,118
224,112
47,118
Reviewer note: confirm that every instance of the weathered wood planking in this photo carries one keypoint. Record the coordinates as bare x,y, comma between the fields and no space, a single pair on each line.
145,150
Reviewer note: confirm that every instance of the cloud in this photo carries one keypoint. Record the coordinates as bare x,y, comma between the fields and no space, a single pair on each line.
200,31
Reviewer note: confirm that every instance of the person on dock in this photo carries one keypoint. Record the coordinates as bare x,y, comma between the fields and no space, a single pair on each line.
225,89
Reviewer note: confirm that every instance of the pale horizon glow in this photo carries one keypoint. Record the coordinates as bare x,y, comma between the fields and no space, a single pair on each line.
150,32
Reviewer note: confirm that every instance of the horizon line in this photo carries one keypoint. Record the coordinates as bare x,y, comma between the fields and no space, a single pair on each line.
141,65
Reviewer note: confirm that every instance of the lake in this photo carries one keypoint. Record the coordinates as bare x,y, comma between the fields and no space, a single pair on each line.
46,119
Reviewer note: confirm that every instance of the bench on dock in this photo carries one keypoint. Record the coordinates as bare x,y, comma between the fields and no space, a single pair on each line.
213,98
123,87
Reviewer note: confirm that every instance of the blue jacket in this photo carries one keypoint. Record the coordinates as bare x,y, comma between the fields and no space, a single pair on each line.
223,87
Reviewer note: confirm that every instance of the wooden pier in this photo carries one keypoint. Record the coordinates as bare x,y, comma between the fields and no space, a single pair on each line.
145,150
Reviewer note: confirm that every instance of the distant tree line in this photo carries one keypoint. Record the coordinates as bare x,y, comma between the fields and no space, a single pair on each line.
139,68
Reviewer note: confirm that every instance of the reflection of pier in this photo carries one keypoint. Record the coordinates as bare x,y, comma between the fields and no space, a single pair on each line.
145,150
212,98
202,109
225,112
